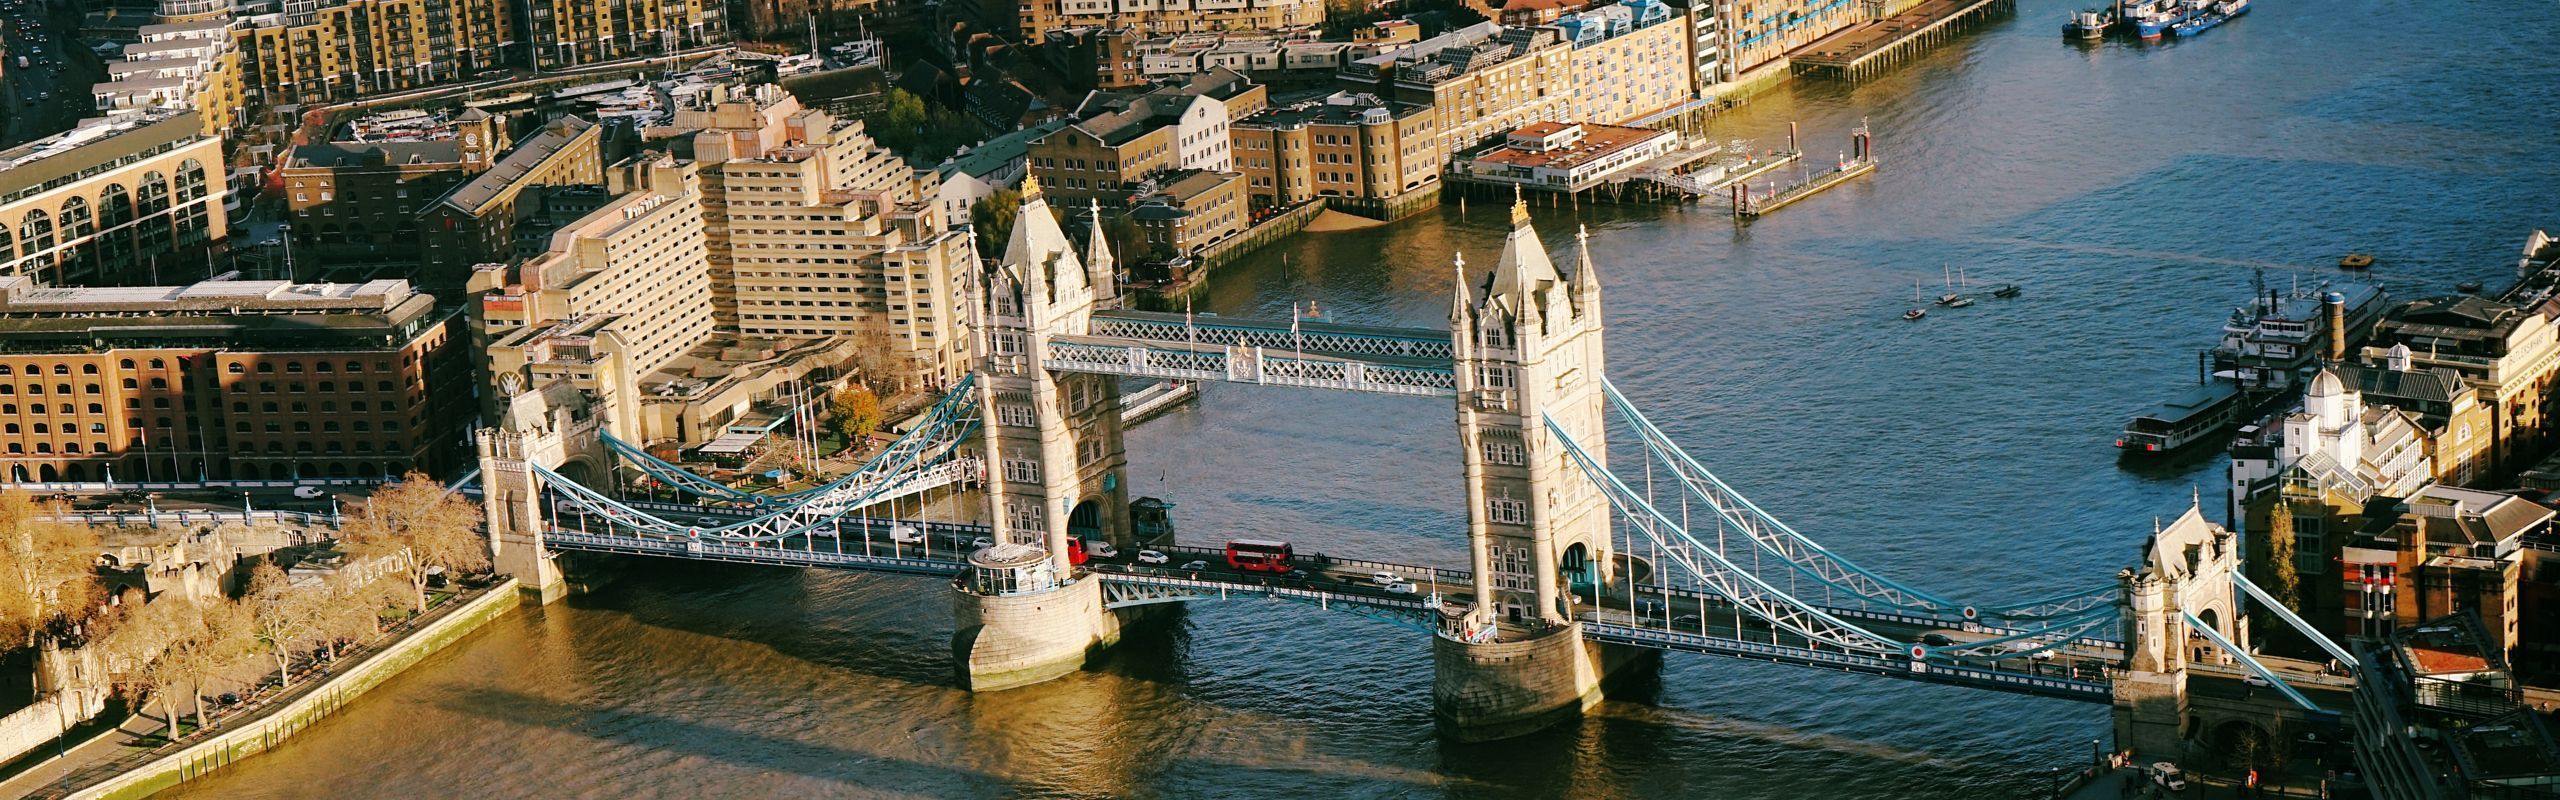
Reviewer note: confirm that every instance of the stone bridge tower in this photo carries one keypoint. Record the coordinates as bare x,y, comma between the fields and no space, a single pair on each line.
1055,463
2186,570
511,500
1530,348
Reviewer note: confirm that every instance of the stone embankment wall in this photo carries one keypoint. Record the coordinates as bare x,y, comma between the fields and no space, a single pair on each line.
257,735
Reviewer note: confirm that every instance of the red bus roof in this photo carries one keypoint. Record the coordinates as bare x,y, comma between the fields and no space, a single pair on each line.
1265,544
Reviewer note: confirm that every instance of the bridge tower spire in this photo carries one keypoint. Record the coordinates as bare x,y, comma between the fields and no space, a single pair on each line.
1527,350
1055,464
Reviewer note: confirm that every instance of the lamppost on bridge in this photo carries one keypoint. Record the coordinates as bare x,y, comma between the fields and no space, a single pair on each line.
2097,756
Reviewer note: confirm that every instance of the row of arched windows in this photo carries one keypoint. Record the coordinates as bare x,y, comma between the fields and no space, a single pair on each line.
65,236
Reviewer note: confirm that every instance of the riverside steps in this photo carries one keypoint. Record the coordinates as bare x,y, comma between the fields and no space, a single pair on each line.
1861,51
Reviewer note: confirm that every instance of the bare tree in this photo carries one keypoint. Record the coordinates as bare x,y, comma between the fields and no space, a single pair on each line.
418,527
219,640
283,618
778,453
353,608
47,570
137,652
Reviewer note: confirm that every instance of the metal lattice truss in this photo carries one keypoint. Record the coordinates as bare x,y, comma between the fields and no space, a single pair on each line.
1125,591
1705,567
1773,537
918,461
1247,364
1320,338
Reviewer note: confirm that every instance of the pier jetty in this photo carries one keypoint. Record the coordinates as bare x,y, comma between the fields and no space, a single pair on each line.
1860,160
1859,52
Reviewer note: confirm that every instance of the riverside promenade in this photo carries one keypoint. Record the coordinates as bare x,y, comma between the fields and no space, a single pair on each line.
123,762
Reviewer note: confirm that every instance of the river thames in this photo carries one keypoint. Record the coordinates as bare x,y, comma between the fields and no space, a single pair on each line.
2130,189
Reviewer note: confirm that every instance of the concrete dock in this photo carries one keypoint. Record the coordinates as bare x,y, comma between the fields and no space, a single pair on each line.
1860,52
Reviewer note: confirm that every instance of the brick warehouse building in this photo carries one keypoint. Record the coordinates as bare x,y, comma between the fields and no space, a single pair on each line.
228,380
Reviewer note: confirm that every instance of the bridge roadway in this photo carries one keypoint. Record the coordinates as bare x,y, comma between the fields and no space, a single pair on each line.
1664,618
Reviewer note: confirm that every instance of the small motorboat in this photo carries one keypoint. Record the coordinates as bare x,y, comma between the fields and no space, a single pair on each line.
2355,261
2468,287
1915,313
2005,290
1960,302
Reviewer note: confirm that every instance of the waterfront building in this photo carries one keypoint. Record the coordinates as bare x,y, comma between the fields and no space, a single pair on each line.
814,230
2321,464
1628,62
567,33
314,52
1621,64
2442,550
1118,140
2439,716
120,199
507,212
1708,66
187,61
1481,81
228,380
1567,157
359,202
1362,151
1037,18
1195,209
2508,350
2457,421
1763,31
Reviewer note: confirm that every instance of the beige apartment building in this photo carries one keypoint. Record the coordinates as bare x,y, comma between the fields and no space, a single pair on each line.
117,200
566,33
190,63
1481,81
1039,18
319,52
619,296
814,230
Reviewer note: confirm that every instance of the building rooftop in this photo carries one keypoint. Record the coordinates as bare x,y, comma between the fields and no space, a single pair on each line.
1597,142
1341,108
21,297
96,142
359,154
475,196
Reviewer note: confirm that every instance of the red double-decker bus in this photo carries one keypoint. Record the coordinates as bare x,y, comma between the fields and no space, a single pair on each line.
1258,555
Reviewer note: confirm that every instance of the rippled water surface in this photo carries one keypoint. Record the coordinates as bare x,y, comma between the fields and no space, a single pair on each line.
2131,189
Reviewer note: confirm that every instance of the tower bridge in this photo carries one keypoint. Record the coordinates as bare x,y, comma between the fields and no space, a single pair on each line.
1578,568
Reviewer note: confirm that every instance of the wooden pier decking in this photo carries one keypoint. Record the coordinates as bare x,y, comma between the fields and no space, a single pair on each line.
1860,160
1859,52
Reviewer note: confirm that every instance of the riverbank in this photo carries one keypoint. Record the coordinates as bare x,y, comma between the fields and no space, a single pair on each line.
120,770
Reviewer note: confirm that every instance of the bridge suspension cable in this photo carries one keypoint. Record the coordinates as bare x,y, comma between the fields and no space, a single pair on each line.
1808,558
919,459
1707,566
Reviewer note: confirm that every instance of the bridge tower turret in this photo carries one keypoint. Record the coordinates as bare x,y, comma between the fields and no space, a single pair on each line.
511,500
1055,462
1527,350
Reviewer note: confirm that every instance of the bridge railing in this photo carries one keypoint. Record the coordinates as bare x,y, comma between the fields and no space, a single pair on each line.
198,517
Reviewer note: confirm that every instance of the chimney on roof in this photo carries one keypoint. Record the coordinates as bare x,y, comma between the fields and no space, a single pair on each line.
2336,309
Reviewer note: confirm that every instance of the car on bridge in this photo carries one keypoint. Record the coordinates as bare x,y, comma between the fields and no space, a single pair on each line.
1385,578
906,534
1937,640
1401,587
1153,557
1194,566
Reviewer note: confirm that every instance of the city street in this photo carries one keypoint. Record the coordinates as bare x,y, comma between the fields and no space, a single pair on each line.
51,91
